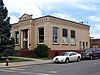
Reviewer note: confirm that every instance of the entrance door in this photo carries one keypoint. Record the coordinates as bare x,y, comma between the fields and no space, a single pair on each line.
25,39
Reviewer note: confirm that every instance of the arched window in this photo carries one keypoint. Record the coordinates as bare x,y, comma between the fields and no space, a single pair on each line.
73,37
41,35
65,36
55,35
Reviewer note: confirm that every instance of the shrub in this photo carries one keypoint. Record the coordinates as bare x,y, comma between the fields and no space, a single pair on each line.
41,51
11,53
16,53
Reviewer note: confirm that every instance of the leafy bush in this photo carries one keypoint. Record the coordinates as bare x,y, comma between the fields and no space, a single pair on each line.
11,53
41,51
15,53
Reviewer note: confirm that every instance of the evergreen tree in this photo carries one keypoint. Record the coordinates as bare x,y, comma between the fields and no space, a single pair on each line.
6,43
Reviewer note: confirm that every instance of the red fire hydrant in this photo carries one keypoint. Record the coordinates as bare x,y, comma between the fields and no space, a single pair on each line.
7,61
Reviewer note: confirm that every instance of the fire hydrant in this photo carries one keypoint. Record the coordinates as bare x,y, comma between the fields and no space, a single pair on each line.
7,61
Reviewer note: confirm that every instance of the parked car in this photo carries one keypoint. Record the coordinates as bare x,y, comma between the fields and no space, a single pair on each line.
91,53
67,57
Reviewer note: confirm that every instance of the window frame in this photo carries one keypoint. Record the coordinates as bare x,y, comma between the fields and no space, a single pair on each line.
55,32
17,37
39,42
73,38
65,36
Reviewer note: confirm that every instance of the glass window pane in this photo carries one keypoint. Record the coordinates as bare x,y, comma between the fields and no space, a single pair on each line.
41,31
73,41
55,39
64,36
64,32
41,39
40,35
55,30
55,35
72,34
17,37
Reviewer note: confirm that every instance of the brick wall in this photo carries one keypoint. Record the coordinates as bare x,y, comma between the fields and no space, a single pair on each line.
26,53
94,43
53,53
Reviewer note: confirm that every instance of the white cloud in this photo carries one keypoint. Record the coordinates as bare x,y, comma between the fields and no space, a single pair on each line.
35,7
65,16
87,7
17,5
31,9
94,18
13,19
97,26
95,31
95,35
21,7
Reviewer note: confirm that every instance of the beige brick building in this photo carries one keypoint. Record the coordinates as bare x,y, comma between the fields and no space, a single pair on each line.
59,34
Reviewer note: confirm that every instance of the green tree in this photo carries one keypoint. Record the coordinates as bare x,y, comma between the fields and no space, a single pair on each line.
6,42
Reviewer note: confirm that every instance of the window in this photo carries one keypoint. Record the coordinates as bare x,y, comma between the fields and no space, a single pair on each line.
65,54
16,37
80,45
73,37
88,51
95,46
55,34
40,35
83,45
86,44
25,39
65,36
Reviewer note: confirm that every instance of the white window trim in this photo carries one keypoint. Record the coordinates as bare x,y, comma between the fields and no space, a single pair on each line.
38,35
16,38
56,35
67,40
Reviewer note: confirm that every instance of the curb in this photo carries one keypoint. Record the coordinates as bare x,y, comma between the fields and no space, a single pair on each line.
23,65
11,66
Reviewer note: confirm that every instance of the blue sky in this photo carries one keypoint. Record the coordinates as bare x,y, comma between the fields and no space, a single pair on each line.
87,11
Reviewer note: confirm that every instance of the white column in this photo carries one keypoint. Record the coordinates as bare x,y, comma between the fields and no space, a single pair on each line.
85,45
21,39
28,39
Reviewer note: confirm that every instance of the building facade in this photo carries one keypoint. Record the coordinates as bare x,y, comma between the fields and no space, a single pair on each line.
59,34
94,43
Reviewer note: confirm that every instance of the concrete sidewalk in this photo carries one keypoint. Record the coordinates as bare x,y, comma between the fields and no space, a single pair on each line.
21,64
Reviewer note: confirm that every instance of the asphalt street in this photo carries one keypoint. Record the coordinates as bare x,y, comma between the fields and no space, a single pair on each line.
87,67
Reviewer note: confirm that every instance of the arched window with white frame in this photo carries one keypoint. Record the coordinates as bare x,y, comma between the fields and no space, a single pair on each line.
40,35
65,36
73,37
55,35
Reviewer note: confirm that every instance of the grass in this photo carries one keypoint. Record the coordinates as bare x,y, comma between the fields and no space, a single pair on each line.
15,59
42,58
2,60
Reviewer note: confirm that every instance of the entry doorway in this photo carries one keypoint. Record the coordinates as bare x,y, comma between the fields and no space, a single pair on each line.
25,39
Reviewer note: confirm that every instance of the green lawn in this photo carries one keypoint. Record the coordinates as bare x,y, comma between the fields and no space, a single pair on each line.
2,60
43,58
